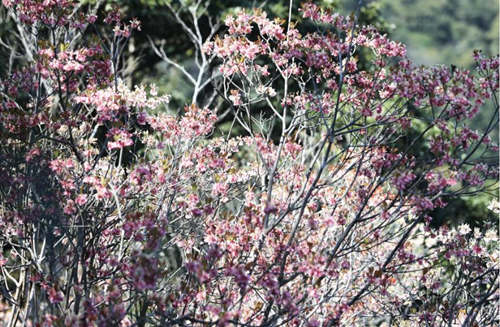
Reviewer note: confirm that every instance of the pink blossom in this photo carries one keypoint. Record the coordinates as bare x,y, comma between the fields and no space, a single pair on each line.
70,208
120,139
81,199
402,181
55,296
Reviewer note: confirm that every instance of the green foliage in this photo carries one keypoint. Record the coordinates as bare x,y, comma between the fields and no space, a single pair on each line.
471,210
444,31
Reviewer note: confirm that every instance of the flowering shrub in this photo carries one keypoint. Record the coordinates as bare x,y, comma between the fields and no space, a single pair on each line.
118,213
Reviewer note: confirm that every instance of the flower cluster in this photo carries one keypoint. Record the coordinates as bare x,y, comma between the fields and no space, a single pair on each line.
118,212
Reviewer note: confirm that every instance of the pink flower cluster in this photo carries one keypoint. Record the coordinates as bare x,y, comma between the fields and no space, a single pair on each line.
119,212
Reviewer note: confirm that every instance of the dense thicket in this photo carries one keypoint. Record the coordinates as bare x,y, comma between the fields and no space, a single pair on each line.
298,179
